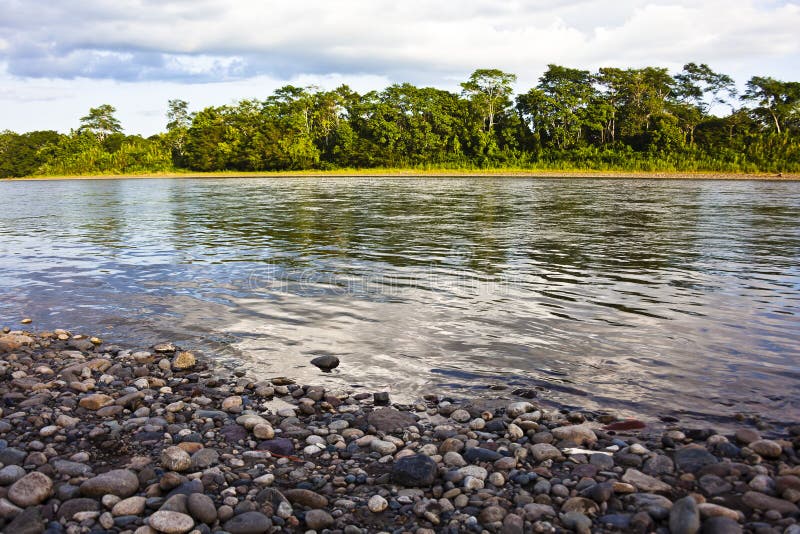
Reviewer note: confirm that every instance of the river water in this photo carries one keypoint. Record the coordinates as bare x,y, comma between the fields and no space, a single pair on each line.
648,298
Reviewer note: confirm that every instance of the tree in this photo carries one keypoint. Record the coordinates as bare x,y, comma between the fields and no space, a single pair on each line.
101,122
178,116
490,91
777,102
556,107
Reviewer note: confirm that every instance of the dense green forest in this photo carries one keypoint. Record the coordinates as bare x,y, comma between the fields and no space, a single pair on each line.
626,119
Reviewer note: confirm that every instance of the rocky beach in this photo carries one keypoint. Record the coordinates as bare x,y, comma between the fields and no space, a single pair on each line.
100,438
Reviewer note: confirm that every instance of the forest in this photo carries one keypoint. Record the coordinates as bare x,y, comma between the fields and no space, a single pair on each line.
643,119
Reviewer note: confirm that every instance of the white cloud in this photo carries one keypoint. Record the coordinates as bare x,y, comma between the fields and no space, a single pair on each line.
167,43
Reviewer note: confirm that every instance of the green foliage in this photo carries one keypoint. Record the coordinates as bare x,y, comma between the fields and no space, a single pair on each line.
614,119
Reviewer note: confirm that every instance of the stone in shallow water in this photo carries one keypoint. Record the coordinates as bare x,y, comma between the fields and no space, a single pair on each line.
326,363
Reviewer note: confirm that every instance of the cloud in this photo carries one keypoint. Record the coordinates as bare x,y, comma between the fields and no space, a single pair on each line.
67,55
205,40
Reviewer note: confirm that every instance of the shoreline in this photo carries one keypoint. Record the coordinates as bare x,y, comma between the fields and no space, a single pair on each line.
438,173
96,436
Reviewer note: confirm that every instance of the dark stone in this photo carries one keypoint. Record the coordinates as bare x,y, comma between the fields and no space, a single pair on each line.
479,454
714,485
12,456
73,506
280,446
80,344
721,525
380,398
233,433
389,419
248,523
495,425
692,459
326,363
599,493
417,470
30,521
684,518
616,521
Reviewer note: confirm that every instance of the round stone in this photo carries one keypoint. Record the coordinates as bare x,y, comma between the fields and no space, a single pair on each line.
129,506
30,490
171,522
377,504
263,431
248,523
175,459
120,482
202,508
318,519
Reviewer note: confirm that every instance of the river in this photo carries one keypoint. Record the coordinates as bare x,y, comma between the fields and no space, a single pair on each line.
645,297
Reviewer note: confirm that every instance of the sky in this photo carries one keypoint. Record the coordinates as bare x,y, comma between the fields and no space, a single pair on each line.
59,58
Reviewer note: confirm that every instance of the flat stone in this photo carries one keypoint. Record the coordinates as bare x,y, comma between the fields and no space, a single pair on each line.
479,454
204,458
279,446
171,522
306,498
95,401
30,490
760,501
74,506
72,469
721,525
578,434
248,523
120,482
714,485
389,419
644,482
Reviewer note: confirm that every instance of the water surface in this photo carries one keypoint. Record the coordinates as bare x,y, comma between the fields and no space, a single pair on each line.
647,297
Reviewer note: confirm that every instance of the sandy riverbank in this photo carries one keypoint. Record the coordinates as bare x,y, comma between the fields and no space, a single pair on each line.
95,437
399,173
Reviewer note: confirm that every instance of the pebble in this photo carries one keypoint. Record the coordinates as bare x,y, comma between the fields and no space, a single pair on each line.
248,523
684,517
217,451
171,522
317,519
30,490
377,504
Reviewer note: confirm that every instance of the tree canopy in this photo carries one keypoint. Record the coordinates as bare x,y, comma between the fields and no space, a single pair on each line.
627,119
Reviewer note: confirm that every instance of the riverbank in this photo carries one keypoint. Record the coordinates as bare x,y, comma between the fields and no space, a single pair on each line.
95,437
401,173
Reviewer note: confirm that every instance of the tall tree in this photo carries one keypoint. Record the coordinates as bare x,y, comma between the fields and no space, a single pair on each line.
490,91
776,101
101,122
